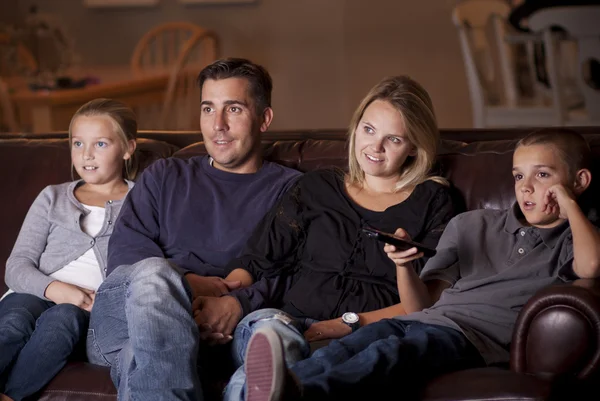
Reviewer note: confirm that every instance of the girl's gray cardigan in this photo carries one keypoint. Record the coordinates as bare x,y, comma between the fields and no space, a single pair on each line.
51,237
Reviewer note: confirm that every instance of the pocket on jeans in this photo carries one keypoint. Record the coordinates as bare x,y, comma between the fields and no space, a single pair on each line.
93,351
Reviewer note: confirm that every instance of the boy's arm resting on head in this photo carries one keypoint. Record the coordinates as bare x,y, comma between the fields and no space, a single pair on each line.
22,267
586,242
137,228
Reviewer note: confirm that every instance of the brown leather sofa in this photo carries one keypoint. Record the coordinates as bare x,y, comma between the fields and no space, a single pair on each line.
556,345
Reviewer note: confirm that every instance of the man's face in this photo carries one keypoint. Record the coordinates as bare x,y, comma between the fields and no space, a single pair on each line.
230,125
535,169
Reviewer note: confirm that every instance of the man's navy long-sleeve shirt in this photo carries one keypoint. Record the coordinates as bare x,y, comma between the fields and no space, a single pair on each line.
194,215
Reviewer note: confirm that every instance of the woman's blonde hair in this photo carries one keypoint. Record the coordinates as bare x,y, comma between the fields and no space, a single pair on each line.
125,124
414,105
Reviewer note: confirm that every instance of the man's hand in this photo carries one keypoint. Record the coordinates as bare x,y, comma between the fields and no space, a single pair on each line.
63,293
402,258
558,200
210,286
327,330
216,317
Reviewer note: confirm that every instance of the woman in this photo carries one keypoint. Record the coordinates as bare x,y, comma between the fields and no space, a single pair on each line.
330,277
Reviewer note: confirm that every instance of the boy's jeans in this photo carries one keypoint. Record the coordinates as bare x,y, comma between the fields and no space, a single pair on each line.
37,337
389,355
290,331
142,327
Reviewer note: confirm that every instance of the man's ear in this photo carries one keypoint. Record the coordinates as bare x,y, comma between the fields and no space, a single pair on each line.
583,178
131,145
267,118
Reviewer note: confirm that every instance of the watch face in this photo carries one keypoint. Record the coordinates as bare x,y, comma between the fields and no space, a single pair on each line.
350,317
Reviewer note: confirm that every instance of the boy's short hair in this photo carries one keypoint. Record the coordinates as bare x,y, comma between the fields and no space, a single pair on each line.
572,148
261,84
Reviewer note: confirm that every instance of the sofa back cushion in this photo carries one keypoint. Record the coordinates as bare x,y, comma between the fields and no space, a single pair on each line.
28,165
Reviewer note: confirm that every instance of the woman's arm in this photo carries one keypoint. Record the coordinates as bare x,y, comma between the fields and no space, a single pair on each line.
272,247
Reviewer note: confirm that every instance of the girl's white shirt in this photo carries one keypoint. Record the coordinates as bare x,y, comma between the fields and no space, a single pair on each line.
85,270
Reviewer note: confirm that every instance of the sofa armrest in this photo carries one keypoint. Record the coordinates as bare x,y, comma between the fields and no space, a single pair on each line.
557,334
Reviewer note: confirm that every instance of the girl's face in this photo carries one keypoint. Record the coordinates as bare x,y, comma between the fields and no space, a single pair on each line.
97,152
381,145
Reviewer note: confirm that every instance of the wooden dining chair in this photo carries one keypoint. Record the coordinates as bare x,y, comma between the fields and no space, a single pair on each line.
8,121
24,63
491,69
181,106
581,24
159,49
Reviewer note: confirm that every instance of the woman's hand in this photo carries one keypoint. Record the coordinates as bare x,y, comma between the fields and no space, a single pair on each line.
327,330
63,293
402,258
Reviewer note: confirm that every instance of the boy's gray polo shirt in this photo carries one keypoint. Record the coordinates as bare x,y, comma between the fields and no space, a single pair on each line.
494,264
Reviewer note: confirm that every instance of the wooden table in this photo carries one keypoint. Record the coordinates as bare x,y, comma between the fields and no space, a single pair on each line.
47,111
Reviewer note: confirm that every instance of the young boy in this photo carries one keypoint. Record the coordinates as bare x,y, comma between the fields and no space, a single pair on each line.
489,263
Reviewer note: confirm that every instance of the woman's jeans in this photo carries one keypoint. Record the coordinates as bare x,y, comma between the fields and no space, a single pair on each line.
37,337
391,356
289,329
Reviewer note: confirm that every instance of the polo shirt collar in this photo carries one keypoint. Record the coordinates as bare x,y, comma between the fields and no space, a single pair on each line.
549,235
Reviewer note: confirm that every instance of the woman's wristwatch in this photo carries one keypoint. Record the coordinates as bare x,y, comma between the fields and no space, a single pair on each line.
352,320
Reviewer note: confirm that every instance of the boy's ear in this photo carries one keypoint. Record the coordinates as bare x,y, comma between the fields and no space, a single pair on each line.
583,178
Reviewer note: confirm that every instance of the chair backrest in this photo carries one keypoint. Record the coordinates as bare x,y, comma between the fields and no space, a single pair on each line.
7,113
159,49
582,24
23,63
473,19
181,106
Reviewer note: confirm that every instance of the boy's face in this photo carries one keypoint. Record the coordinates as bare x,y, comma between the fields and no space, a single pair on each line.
535,169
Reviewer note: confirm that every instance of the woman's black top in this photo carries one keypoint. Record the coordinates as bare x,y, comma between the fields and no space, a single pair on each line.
314,237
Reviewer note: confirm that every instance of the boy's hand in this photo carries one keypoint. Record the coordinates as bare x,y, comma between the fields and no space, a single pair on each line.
558,200
63,293
402,258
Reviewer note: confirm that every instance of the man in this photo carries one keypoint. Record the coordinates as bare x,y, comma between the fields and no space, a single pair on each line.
184,220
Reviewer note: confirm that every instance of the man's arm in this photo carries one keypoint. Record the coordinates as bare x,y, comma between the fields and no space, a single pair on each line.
137,227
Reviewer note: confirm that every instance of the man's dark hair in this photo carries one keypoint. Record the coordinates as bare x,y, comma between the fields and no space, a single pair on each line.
258,77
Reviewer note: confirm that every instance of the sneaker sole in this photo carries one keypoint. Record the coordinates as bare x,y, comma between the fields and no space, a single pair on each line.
264,367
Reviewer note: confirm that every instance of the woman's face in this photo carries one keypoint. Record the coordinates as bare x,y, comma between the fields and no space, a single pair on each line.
381,146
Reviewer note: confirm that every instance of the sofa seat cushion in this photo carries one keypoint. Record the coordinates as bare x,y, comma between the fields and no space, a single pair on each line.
81,381
487,384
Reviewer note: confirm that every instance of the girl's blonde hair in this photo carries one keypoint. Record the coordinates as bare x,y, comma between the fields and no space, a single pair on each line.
414,105
125,124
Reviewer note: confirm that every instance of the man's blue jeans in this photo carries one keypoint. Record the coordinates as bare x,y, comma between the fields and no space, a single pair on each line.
37,337
390,356
142,328
289,329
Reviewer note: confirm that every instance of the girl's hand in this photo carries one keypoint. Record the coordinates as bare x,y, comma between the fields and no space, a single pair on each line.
63,293
402,258
557,201
326,330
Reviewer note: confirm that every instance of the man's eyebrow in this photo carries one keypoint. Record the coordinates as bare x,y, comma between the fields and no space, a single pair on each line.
240,102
